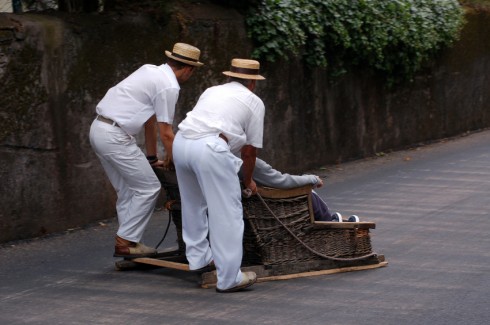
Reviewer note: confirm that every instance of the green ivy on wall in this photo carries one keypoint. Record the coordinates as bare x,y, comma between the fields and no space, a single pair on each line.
392,36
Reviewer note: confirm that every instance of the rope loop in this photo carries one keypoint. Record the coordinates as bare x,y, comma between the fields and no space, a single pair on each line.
344,259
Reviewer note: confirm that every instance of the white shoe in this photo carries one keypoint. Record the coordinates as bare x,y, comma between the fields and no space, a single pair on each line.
248,278
337,217
353,218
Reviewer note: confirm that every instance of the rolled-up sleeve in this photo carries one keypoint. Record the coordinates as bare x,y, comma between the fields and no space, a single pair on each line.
164,105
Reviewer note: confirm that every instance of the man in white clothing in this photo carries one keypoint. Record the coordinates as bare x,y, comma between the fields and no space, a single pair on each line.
146,97
227,119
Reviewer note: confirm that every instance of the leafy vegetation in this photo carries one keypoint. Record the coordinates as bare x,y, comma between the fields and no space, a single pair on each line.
395,37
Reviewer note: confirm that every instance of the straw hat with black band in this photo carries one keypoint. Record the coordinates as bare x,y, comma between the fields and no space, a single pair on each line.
185,53
244,69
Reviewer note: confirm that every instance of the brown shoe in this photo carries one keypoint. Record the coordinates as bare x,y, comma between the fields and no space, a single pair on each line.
248,278
129,249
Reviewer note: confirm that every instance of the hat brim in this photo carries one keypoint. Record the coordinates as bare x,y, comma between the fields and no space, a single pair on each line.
193,63
243,76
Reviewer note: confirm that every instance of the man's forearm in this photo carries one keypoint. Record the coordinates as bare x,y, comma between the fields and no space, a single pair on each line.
167,138
248,155
167,144
151,136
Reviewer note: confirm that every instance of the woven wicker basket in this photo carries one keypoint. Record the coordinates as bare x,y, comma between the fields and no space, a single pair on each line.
268,242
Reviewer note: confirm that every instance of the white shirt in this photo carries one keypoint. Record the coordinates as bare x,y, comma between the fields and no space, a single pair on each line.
149,90
231,109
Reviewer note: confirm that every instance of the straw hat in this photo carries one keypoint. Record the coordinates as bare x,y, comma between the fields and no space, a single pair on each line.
244,69
185,53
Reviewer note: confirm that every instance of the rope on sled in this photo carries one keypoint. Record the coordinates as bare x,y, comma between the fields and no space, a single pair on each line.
344,259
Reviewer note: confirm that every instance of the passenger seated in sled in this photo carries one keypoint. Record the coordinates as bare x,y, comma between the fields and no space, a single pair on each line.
265,175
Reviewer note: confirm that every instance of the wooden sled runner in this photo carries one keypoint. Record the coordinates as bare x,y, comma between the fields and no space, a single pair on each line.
281,238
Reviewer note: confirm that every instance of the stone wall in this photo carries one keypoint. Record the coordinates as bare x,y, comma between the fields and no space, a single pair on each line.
315,122
55,68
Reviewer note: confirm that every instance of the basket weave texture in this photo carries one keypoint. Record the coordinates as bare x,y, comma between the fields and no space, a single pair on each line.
267,242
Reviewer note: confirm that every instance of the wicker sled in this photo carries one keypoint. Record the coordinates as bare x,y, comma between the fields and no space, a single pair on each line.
281,238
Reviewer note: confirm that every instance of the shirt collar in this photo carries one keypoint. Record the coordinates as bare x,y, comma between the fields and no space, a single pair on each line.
237,84
170,74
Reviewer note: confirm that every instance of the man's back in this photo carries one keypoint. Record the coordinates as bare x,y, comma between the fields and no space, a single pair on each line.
230,109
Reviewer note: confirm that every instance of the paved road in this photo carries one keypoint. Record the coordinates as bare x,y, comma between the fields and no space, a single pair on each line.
432,210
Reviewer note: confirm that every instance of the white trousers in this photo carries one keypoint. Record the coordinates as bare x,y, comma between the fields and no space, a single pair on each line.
130,174
211,205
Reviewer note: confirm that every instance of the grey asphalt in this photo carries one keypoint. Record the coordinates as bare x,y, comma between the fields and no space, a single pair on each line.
431,206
